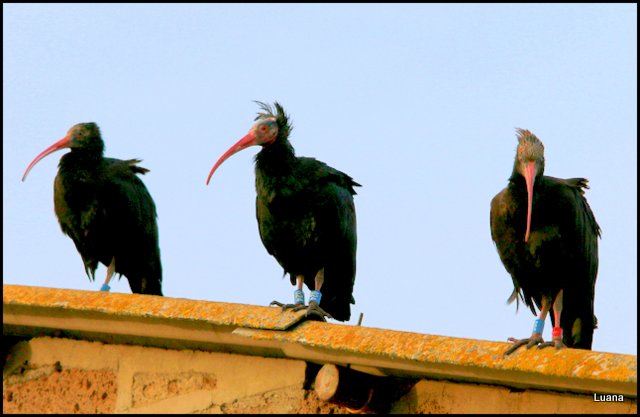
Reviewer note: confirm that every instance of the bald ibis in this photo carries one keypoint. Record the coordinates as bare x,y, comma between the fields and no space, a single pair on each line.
547,238
306,216
106,210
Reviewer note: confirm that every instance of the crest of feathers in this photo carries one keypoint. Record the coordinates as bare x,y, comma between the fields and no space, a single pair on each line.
529,146
525,136
278,113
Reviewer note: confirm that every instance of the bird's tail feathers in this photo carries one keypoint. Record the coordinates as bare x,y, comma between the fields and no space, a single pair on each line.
517,296
89,268
514,297
339,308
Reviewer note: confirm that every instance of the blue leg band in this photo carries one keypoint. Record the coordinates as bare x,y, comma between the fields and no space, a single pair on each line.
105,287
538,326
298,297
315,296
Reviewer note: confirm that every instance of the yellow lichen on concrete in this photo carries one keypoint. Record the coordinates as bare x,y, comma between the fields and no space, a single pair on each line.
268,330
137,305
421,348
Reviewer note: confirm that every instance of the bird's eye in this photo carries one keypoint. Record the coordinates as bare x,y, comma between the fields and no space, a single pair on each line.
263,128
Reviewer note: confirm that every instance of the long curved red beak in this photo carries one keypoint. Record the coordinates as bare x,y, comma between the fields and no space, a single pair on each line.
530,172
248,140
61,144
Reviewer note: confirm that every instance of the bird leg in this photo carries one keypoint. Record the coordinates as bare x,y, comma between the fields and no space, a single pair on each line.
536,336
557,330
314,299
298,297
110,271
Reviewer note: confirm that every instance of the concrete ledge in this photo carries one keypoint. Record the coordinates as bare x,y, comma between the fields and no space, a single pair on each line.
263,331
149,306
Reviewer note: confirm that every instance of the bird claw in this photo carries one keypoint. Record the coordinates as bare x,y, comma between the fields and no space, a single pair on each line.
315,310
556,342
294,307
535,339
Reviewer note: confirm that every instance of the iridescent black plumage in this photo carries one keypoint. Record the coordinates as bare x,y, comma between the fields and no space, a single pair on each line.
305,212
106,210
558,253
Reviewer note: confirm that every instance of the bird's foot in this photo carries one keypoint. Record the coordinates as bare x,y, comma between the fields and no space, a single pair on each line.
535,339
294,307
315,310
555,341
298,302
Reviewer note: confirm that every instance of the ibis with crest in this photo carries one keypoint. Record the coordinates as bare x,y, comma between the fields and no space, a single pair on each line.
104,207
547,239
306,217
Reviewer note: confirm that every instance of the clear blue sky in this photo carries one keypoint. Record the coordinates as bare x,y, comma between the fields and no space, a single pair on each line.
418,103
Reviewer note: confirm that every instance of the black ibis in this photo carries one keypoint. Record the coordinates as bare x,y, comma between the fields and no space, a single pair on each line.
106,210
306,216
547,238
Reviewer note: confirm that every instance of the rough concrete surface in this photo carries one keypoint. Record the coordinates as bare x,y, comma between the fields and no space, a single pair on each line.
59,391
60,375
442,397
290,400
152,387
